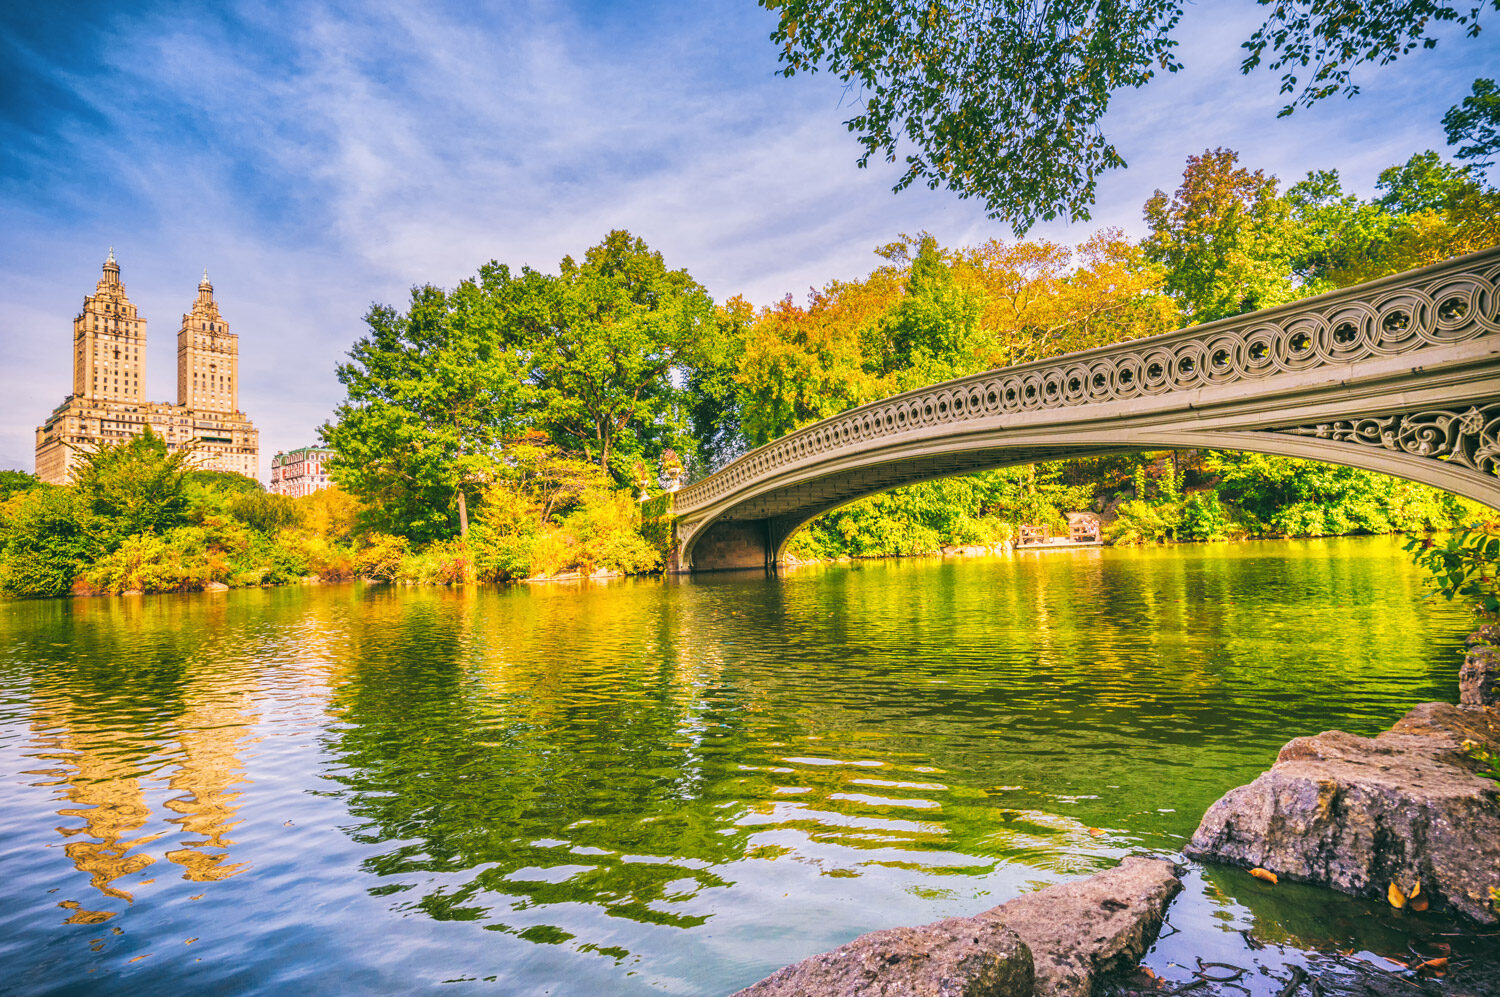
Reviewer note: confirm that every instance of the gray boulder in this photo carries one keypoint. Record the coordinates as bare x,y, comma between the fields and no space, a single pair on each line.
959,957
1055,942
1479,678
1357,814
1082,931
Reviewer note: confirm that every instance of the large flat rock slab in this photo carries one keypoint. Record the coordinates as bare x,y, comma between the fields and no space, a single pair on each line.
1082,931
958,957
1057,942
1357,814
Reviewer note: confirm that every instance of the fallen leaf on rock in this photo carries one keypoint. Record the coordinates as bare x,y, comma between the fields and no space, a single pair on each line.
1265,874
1395,896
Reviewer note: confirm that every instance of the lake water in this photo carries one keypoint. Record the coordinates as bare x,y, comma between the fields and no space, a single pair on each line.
665,786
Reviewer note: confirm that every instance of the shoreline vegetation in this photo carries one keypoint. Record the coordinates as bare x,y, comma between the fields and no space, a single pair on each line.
140,519
528,424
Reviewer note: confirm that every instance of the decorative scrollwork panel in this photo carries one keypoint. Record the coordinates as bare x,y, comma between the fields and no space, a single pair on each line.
1470,437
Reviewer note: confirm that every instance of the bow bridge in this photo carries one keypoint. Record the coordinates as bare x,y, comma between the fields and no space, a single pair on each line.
1400,375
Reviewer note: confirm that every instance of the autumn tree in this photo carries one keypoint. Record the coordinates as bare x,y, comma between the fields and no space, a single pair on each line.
805,363
1040,299
1222,237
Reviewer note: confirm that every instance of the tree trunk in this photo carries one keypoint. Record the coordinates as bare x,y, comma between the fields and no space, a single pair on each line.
463,515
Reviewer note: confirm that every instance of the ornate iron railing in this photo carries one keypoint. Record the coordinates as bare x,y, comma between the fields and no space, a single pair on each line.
1440,305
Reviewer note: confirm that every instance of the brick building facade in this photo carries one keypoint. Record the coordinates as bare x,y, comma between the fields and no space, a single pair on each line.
300,472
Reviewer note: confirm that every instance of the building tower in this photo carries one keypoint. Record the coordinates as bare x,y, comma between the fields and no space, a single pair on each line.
109,343
108,401
208,357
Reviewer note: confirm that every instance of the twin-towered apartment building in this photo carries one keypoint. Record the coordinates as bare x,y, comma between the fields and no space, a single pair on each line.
109,404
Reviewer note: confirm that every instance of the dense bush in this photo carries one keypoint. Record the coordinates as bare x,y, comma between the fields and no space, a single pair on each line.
43,546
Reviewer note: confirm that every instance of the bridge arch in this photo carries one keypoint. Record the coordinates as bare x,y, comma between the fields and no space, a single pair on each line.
1400,375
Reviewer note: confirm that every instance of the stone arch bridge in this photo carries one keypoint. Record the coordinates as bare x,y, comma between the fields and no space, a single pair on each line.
1400,375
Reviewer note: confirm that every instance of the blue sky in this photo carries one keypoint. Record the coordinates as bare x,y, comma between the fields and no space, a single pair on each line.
318,157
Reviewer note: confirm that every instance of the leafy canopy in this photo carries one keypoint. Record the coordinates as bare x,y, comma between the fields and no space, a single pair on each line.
431,393
1004,100
593,358
1476,120
1324,40
1000,101
612,331
132,486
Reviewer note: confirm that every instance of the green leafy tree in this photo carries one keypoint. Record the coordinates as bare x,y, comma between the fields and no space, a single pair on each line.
15,482
932,332
43,546
1328,39
605,344
1423,183
997,101
1003,101
1476,121
715,405
1427,210
224,481
1464,564
431,393
1337,232
137,485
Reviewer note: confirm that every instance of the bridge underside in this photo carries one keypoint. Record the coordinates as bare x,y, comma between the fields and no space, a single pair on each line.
760,527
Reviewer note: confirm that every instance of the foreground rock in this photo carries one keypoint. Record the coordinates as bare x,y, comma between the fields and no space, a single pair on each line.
1056,942
1082,931
1358,814
959,957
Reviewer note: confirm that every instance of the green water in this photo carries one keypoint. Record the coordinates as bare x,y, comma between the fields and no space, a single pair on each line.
659,786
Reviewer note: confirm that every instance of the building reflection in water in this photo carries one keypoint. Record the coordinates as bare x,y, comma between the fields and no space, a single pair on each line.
103,791
176,712
214,733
